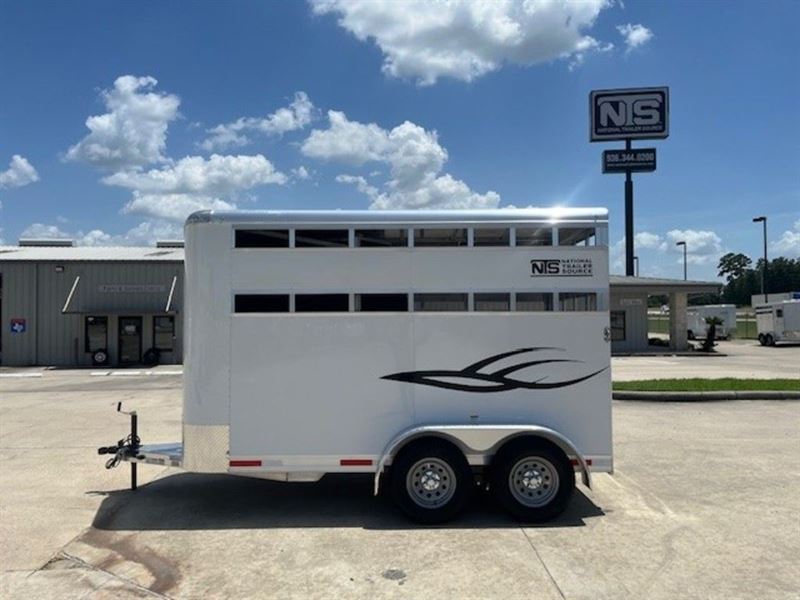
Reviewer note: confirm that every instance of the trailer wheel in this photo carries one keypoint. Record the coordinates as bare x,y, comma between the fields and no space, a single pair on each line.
761,339
431,481
690,334
769,340
532,479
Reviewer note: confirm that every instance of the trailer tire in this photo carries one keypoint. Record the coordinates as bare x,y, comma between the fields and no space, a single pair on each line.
532,479
761,339
769,340
690,334
430,481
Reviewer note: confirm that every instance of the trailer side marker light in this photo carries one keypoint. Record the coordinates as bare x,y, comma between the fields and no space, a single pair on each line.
245,463
355,462
574,462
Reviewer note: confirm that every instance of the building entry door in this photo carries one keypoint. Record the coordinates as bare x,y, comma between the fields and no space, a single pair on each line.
130,340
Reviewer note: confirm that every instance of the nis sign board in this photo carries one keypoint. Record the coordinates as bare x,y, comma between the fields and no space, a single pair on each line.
629,114
636,160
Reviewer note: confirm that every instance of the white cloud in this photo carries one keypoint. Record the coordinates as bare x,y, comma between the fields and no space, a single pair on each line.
650,241
702,247
634,35
295,116
194,183
301,173
426,40
144,234
133,132
414,157
19,173
789,243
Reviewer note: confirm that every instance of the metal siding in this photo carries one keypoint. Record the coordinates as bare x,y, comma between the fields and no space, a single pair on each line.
19,283
635,322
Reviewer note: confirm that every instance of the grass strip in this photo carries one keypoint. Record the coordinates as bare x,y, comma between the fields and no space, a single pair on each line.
727,384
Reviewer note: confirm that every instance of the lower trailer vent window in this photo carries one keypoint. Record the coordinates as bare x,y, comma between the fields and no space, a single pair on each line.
534,302
492,302
321,238
261,303
440,302
382,302
581,301
321,303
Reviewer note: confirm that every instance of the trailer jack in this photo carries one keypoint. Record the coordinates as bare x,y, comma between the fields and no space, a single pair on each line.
127,448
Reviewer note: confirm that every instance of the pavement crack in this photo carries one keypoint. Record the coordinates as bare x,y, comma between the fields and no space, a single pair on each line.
544,566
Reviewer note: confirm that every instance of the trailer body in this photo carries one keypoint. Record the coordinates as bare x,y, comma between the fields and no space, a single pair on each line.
778,322
696,320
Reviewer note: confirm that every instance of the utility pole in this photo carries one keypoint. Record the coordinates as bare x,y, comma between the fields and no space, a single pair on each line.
684,258
763,219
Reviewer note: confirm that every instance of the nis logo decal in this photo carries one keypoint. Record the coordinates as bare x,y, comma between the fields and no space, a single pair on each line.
561,267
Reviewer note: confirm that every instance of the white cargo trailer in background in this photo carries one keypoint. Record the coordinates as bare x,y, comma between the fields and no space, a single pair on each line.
778,322
431,349
696,320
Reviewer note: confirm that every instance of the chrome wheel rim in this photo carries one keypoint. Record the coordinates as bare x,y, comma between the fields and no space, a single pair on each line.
533,481
431,483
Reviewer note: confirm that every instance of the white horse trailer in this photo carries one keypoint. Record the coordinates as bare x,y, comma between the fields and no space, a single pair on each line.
696,320
778,322
436,351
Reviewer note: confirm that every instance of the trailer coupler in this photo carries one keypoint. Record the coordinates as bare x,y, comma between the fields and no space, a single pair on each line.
126,448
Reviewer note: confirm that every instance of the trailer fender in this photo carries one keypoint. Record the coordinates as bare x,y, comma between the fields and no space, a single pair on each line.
481,440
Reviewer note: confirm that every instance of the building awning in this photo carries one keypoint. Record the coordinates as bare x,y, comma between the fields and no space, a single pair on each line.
621,284
121,299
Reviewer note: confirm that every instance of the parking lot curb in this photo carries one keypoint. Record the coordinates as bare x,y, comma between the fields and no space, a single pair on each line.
705,396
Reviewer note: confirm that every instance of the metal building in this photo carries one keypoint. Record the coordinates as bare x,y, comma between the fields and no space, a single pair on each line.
63,305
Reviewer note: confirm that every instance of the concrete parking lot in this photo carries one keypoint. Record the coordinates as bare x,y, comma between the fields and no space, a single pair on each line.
704,504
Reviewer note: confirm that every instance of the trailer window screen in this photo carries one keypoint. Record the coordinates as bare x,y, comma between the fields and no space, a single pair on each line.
262,238
440,302
577,236
163,333
321,238
580,301
96,334
534,302
381,238
440,237
261,303
321,303
492,302
534,236
491,237
382,302
617,325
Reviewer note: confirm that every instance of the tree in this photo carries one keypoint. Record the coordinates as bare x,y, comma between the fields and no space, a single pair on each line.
733,265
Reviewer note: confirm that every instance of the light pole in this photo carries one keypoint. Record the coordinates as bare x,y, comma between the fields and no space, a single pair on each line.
763,219
684,258
636,264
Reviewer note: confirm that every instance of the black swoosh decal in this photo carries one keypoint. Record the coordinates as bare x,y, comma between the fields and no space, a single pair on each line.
498,381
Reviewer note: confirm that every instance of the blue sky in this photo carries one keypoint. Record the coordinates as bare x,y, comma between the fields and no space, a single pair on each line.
452,106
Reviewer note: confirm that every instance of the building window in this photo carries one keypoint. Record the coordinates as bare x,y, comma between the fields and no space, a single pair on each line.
534,302
779,313
261,303
381,302
321,303
261,238
617,325
164,333
534,236
381,238
580,301
491,237
492,302
440,237
96,334
321,238
577,236
440,302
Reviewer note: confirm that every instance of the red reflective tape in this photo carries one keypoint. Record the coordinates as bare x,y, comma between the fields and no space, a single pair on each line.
574,462
245,463
355,462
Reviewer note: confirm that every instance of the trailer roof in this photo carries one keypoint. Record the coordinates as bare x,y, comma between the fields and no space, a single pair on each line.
500,215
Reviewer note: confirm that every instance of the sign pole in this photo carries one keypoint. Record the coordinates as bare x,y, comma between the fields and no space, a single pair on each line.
628,217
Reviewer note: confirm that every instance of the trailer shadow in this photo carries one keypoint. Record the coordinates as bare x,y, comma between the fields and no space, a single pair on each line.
190,501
